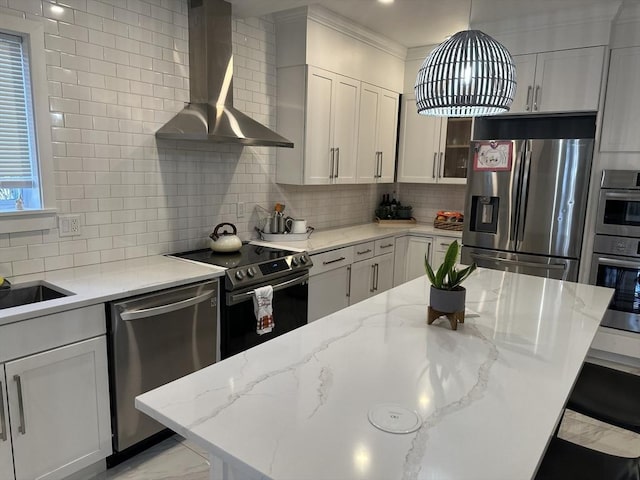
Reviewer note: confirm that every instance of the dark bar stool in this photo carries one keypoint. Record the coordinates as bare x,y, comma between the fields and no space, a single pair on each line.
608,395
568,461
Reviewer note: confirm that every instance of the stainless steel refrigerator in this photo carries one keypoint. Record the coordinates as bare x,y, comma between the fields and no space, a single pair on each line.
525,205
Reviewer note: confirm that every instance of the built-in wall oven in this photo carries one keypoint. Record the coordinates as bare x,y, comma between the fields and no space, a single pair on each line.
616,258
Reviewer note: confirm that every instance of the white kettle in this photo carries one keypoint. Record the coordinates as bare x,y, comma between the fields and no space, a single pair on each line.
224,241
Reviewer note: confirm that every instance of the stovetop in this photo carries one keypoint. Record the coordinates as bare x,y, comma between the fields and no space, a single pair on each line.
252,264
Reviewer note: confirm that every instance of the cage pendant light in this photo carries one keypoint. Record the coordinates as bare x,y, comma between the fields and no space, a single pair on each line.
468,75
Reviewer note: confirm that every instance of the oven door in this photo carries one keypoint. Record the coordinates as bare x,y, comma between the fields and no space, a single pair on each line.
238,321
622,274
619,213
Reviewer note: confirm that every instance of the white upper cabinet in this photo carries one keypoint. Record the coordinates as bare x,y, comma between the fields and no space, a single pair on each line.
432,149
622,102
559,81
318,110
377,134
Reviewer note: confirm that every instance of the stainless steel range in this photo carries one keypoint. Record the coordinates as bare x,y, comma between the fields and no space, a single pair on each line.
252,267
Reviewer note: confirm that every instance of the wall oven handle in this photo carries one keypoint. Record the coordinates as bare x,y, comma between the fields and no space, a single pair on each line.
129,315
22,428
3,420
545,266
239,297
617,263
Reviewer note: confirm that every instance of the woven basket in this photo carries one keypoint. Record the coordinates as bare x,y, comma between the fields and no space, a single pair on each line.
457,226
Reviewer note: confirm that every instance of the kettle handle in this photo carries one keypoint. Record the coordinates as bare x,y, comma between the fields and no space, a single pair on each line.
215,235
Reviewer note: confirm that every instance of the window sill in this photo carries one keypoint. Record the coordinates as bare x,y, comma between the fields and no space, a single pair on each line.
27,220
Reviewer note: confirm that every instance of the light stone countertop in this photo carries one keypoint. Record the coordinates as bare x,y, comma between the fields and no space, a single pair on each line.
489,394
323,240
109,281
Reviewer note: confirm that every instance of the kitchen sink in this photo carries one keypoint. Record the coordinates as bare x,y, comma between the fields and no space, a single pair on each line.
32,292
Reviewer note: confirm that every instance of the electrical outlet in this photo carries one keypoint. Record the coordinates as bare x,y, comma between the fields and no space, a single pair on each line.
68,225
240,209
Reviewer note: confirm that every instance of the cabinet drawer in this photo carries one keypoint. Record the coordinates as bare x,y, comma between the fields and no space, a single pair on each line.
323,262
51,331
442,243
362,251
384,245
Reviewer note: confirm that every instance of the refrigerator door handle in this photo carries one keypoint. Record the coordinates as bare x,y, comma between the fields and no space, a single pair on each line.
516,197
546,266
524,196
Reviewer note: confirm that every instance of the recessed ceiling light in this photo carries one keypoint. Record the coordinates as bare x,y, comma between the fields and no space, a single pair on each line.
386,2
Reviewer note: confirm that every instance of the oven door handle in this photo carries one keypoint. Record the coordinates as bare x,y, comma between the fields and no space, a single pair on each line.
241,297
129,315
614,262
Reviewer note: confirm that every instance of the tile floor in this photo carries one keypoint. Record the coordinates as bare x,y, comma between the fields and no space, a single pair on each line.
176,458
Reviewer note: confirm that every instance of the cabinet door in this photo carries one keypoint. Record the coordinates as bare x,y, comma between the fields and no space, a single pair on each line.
417,249
384,273
387,135
345,128
318,135
568,80
622,103
59,409
328,293
440,250
525,78
362,280
419,145
6,458
400,260
368,131
456,142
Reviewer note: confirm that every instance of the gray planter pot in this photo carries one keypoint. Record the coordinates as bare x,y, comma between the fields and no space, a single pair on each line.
447,301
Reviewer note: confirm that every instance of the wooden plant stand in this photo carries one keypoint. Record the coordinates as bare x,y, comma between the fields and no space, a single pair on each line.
454,318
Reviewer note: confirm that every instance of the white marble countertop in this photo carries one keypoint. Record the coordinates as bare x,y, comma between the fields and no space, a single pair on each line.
489,394
109,281
323,240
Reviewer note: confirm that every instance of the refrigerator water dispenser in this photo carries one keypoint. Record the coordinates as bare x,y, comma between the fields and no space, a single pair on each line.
484,214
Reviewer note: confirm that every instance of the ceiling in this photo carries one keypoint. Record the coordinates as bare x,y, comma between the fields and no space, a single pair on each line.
415,23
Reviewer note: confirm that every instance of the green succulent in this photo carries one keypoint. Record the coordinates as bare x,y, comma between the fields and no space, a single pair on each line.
447,277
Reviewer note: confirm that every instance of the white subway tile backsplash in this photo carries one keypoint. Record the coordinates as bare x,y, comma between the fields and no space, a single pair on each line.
24,267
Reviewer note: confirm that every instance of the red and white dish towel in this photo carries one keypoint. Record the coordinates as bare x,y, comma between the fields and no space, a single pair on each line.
263,309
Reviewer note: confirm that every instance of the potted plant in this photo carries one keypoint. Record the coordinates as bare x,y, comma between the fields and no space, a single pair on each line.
447,295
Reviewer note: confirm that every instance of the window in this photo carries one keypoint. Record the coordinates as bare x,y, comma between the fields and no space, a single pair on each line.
19,179
26,172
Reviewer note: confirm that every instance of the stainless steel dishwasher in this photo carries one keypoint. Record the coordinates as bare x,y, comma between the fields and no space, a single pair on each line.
155,339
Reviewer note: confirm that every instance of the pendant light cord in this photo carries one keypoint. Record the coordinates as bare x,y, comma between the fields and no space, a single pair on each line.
470,9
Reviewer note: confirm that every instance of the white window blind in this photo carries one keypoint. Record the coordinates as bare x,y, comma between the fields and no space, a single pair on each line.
18,165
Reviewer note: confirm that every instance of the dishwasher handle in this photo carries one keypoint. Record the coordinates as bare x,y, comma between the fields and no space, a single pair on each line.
129,315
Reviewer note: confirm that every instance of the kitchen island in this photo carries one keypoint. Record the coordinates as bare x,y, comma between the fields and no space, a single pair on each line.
488,395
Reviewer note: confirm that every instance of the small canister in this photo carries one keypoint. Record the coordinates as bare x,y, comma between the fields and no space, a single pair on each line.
281,224
274,224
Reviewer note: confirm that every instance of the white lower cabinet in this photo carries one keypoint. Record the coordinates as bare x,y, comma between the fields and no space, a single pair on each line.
339,279
417,248
6,459
328,292
440,250
59,410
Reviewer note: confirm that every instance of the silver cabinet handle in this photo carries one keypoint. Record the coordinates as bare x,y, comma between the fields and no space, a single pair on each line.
129,315
349,281
440,166
528,106
333,261
387,245
535,98
435,161
368,250
375,287
373,278
3,420
337,162
22,428
332,159
380,169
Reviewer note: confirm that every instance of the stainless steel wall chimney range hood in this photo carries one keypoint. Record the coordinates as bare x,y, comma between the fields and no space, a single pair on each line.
210,116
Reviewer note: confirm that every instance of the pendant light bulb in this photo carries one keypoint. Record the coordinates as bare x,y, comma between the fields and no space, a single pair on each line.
468,75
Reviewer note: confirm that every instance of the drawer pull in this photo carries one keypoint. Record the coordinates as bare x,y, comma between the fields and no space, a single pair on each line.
334,261
368,250
445,244
386,246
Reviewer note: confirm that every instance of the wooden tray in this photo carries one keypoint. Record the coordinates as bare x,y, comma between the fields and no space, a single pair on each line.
457,226
395,222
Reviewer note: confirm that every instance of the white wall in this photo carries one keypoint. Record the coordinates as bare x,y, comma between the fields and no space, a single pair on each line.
117,71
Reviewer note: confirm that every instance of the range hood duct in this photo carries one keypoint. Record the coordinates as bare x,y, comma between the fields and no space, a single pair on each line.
210,116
